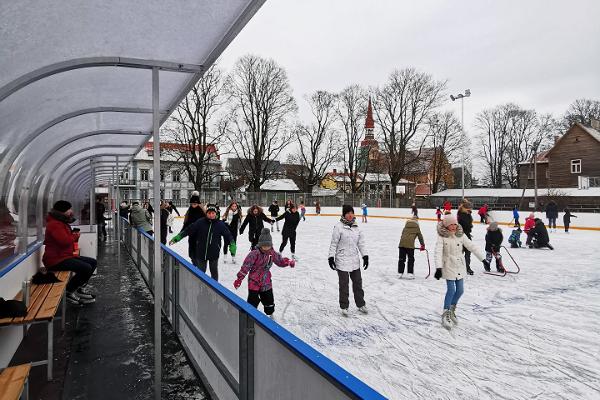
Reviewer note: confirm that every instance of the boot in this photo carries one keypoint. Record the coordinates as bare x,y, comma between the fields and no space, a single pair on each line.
470,271
446,321
453,314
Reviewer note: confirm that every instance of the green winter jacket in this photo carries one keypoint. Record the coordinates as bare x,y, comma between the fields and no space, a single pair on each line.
410,232
140,218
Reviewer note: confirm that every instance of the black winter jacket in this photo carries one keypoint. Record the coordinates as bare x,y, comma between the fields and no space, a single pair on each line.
567,217
552,210
255,222
540,233
465,220
192,215
234,224
493,240
274,210
208,234
292,219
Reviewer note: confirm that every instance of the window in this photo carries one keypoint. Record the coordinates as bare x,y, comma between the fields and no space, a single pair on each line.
530,173
162,175
547,173
575,166
176,175
176,195
144,194
162,194
144,174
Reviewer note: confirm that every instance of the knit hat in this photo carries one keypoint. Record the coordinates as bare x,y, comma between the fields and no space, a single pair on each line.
346,208
62,206
195,198
493,226
449,220
211,207
265,238
531,215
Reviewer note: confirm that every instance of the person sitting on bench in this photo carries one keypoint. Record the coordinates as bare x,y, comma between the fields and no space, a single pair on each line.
58,255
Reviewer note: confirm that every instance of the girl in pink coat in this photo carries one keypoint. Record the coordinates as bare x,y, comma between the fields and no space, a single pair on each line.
257,266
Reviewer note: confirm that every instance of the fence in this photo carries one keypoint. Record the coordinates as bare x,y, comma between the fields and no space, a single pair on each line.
238,352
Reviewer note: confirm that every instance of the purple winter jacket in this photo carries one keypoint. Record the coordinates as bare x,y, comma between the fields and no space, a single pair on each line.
258,265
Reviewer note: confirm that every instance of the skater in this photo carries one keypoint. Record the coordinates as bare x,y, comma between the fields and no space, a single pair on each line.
539,235
193,214
567,219
172,208
515,238
346,248
292,219
447,207
141,218
465,220
438,213
209,231
365,212
288,204
302,210
493,241
483,213
406,247
232,218
254,219
515,212
257,265
318,207
164,221
274,212
124,210
450,265
552,214
528,228
415,211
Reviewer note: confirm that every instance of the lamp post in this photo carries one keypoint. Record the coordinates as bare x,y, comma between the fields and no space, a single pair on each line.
462,124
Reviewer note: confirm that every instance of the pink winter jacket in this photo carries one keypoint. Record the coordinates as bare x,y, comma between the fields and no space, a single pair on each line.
258,264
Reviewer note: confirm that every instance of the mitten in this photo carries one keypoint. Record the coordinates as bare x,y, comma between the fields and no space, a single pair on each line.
237,283
422,248
365,262
232,248
438,273
332,263
175,239
291,263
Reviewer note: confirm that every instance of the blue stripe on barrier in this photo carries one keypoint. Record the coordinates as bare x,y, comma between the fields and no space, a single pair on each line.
344,378
20,258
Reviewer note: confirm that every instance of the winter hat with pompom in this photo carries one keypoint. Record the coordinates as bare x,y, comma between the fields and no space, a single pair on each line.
195,197
265,238
449,219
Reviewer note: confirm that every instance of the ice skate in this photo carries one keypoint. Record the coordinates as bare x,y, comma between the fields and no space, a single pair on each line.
410,276
345,312
453,314
446,321
233,260
401,276
470,271
224,258
363,309
294,257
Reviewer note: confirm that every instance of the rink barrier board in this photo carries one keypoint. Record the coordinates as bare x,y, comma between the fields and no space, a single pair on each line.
216,372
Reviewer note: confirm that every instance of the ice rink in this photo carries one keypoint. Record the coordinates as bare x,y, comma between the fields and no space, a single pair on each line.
526,336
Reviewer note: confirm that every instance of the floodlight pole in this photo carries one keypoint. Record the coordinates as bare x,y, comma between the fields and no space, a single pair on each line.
462,125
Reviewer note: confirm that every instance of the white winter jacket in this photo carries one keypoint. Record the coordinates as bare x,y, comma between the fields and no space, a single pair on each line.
347,246
449,252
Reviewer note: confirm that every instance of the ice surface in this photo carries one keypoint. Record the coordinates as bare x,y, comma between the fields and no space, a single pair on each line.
532,335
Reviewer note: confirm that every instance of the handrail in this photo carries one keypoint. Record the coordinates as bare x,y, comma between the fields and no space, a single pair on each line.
18,259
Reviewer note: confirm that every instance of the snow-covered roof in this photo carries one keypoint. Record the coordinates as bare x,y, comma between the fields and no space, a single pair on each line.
319,191
373,177
593,132
280,184
495,192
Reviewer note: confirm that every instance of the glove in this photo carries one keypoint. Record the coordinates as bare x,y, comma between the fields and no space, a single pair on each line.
290,263
332,263
365,262
422,248
232,248
438,273
237,283
486,265
175,239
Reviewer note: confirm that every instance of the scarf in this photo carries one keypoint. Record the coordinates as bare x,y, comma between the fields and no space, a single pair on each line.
61,217
349,223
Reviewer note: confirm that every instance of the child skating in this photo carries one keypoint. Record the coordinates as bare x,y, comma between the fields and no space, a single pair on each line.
450,265
515,239
438,214
302,210
406,248
254,220
257,265
346,248
274,212
292,219
365,212
493,242
232,218
567,219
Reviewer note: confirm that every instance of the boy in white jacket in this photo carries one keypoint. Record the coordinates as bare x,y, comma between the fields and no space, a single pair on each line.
347,247
450,264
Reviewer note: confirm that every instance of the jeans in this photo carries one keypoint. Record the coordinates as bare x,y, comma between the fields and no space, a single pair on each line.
359,294
404,254
454,290
83,267
212,264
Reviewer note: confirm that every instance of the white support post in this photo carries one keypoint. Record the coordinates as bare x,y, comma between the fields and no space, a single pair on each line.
157,251
92,194
117,216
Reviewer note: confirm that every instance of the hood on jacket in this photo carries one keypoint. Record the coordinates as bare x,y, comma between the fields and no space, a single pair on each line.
444,232
136,207
412,223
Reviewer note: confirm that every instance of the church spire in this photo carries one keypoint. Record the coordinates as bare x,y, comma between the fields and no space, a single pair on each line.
369,122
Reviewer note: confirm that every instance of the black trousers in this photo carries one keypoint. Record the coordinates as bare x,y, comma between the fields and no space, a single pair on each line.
212,264
292,237
102,229
405,253
359,295
266,298
552,223
83,267
253,238
467,254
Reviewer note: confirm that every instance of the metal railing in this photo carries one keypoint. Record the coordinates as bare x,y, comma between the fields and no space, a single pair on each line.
238,352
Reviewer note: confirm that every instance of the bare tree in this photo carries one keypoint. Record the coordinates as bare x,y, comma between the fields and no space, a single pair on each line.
318,142
256,126
582,111
402,106
351,110
446,141
191,128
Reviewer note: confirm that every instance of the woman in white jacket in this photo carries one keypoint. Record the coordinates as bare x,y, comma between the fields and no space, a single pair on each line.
450,264
347,247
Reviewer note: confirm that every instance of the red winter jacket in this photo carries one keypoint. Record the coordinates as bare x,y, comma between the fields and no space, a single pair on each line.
529,224
59,242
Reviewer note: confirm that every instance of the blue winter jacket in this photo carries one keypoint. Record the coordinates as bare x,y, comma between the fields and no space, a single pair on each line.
515,213
208,233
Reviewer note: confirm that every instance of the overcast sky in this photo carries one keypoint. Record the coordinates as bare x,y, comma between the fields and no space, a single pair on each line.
541,54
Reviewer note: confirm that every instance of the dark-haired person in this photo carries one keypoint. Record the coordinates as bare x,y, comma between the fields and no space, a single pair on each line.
254,220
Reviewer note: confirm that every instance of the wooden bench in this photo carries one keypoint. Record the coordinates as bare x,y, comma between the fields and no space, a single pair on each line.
14,383
43,306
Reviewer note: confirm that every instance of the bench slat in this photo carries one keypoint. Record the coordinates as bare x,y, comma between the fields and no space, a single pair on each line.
50,306
12,381
34,304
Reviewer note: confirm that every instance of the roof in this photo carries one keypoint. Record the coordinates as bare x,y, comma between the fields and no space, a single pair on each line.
589,130
281,185
181,147
369,122
542,157
593,132
79,84
373,177
494,192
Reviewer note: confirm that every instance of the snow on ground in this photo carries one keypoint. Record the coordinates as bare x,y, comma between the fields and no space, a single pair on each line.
532,335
